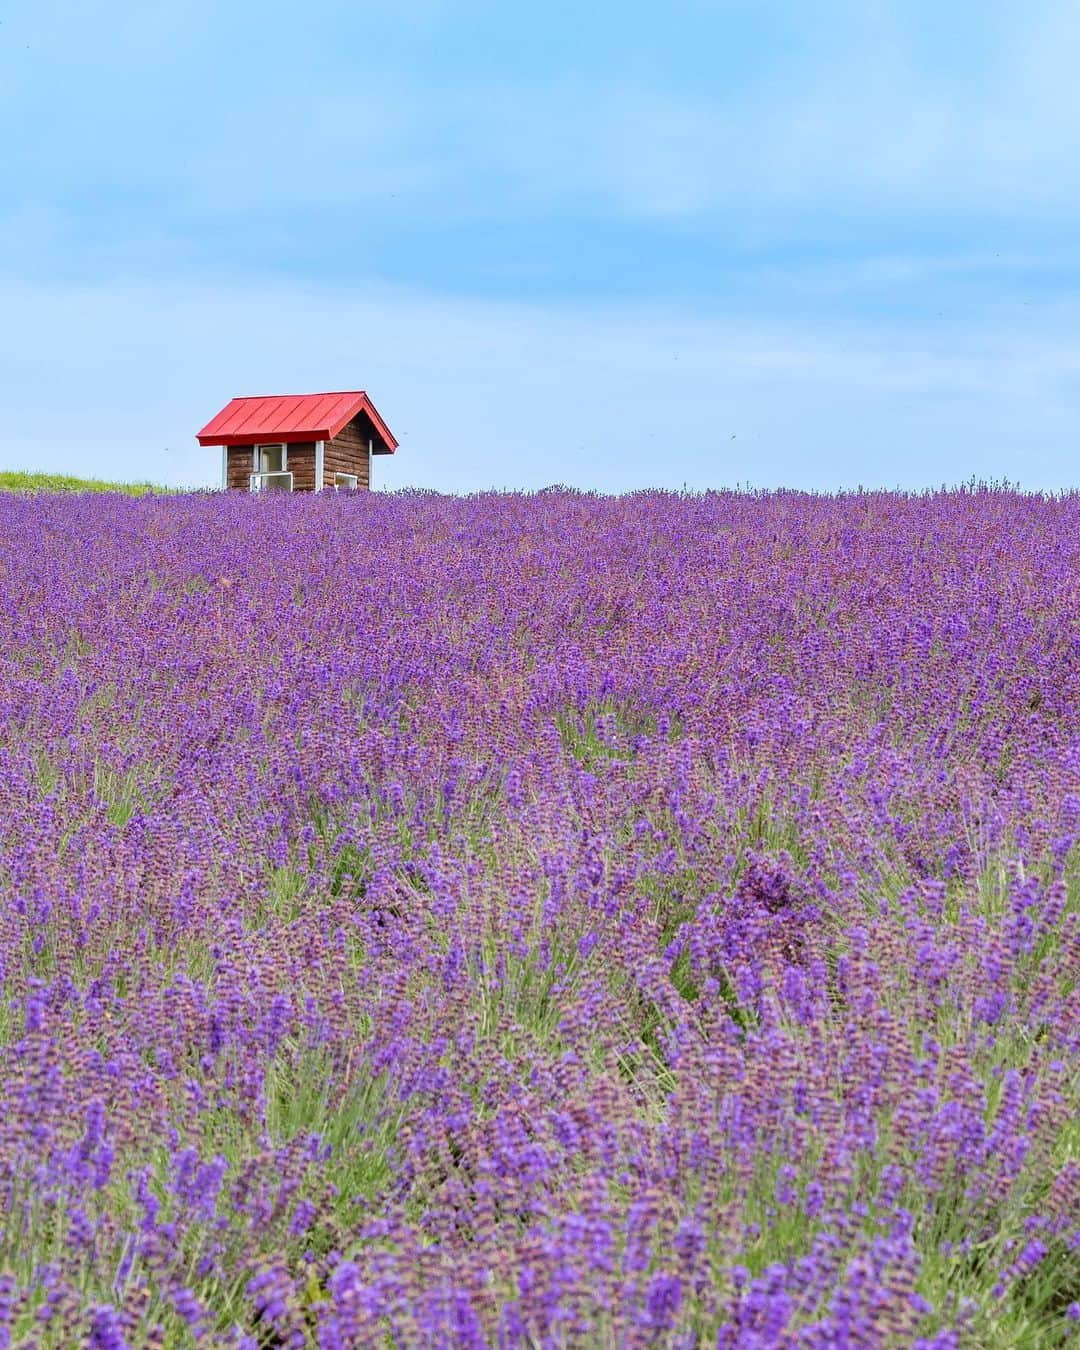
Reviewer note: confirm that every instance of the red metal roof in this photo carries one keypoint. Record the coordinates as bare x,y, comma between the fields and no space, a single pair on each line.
291,417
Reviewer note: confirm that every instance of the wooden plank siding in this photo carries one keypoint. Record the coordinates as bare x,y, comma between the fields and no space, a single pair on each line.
240,461
347,453
301,464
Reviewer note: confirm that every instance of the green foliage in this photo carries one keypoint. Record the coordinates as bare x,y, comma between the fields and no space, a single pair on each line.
586,739
23,480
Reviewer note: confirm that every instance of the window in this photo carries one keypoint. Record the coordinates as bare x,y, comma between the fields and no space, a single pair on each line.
271,469
270,458
344,482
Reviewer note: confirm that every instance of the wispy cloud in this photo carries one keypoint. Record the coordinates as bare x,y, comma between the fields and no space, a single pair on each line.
320,147
866,109
107,377
863,124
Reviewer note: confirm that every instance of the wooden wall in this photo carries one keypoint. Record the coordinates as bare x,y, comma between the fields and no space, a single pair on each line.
302,466
347,453
239,466
300,463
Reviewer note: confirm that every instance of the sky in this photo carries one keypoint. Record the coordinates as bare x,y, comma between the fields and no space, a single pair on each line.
612,245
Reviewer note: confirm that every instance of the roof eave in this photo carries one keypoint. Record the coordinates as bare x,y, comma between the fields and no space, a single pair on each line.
365,405
381,427
265,437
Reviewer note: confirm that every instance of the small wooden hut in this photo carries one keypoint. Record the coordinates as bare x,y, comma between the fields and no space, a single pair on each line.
298,442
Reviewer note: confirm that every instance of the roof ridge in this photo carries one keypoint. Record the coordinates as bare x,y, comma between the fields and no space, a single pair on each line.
315,393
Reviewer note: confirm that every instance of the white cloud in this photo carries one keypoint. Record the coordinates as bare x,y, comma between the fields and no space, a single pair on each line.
318,147
872,127
839,108
103,378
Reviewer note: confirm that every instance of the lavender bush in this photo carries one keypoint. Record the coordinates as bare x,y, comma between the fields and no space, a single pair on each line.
538,921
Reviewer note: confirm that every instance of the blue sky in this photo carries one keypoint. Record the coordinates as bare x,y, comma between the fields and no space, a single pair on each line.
612,245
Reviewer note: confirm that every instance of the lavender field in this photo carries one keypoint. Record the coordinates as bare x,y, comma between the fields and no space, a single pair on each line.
540,921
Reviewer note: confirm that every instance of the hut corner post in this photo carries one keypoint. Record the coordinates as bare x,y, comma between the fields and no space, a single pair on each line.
224,468
320,460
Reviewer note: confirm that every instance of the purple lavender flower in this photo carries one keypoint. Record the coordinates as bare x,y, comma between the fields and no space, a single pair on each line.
539,920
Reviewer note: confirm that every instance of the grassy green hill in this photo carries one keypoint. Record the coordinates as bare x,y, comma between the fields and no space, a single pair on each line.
19,480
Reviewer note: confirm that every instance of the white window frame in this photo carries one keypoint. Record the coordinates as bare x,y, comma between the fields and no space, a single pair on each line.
257,481
270,445
351,486
320,465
